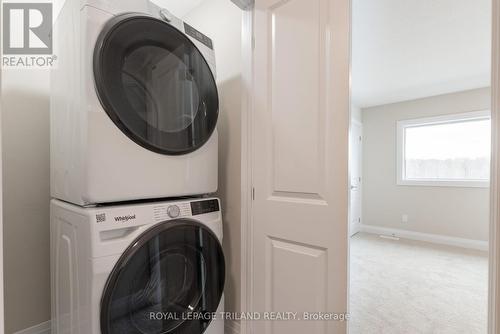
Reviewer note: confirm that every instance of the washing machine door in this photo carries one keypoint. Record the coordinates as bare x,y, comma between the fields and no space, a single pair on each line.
170,280
155,85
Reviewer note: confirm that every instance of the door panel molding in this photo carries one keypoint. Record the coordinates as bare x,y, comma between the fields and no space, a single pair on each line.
309,198
282,278
297,50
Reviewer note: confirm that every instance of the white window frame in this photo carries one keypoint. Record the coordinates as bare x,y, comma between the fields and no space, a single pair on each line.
444,119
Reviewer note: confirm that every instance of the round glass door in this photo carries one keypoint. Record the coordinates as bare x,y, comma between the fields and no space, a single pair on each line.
169,281
155,85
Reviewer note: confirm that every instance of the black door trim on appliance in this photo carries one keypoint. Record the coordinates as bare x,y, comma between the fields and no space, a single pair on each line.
211,298
195,86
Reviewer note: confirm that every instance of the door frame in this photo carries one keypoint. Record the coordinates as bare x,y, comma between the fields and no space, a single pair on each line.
494,240
360,124
2,301
247,165
246,270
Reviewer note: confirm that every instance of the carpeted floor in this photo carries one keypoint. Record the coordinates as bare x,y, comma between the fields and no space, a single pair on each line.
413,287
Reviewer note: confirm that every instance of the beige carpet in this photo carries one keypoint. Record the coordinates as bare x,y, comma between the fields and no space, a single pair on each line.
415,287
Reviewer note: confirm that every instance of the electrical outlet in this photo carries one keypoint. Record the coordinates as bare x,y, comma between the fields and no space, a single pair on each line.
404,219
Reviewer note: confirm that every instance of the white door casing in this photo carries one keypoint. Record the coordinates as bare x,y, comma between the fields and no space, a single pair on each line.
355,176
2,305
300,102
494,236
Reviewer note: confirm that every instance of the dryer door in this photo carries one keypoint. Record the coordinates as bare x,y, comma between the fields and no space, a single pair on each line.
155,85
170,280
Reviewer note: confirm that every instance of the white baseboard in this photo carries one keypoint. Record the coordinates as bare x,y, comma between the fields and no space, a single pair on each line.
232,327
427,237
355,228
43,328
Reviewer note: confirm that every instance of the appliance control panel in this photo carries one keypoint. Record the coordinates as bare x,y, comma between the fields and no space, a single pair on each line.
204,206
198,36
185,209
170,211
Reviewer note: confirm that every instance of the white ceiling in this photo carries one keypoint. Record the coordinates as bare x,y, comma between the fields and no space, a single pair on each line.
408,49
178,7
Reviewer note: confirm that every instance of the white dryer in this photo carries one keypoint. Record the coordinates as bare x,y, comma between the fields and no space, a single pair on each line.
137,268
134,104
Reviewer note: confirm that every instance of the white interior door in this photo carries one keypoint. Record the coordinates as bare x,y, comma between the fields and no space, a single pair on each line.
355,164
300,162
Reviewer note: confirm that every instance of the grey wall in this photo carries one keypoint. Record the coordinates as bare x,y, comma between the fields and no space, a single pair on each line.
449,211
221,20
26,194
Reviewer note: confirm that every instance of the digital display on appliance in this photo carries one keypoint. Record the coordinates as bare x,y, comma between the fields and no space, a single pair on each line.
198,36
201,207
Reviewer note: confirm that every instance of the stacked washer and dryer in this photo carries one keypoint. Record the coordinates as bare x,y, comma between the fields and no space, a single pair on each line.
135,241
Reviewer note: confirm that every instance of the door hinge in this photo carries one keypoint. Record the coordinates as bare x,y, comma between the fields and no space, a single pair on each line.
253,194
253,42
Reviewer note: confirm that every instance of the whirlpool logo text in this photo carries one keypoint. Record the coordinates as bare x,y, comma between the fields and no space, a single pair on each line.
125,218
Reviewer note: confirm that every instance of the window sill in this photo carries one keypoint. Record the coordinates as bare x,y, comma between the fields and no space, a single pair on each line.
444,183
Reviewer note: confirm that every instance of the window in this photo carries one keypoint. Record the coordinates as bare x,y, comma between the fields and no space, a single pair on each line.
451,150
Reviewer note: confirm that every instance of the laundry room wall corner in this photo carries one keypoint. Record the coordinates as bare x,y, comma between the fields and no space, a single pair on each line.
26,196
221,20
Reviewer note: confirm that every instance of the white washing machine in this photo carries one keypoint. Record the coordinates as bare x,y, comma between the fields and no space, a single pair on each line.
138,268
134,104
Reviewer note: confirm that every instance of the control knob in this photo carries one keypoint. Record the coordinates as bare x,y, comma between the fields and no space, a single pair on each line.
173,211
